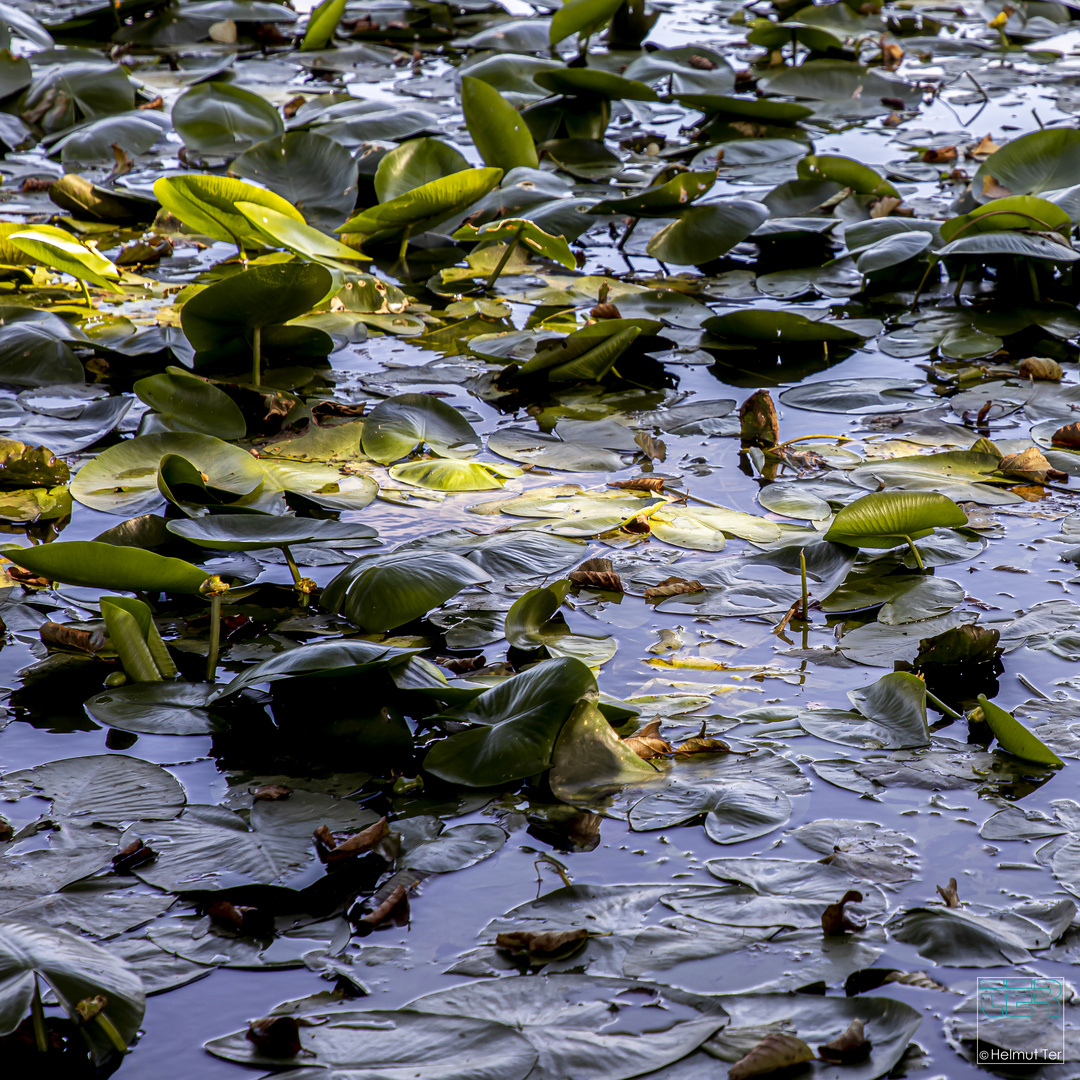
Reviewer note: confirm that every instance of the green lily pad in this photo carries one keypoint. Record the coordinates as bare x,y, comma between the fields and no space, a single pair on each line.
187,403
221,118
501,135
399,425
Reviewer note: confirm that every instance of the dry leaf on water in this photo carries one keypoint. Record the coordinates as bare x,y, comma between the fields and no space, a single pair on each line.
850,1046
271,793
335,847
390,900
596,579
1067,436
639,483
673,586
836,921
542,946
653,449
942,156
68,637
134,854
461,664
702,744
648,743
250,921
1041,367
984,148
276,1036
775,1052
1030,464
949,894
757,417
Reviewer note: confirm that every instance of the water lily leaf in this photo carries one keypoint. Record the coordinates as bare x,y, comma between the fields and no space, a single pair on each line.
441,474
758,324
76,970
585,355
590,82
1006,244
426,844
703,233
862,848
551,452
314,174
321,25
58,249
846,88
1013,737
123,479
222,118
527,232
278,230
520,720
497,128
582,17
161,708
415,163
187,403
397,426
106,566
660,200
893,251
560,1015
888,518
1013,212
745,108
895,707
252,299
424,207
508,556
250,532
685,68
590,761
857,396
208,848
394,1045
705,529
845,171
1037,162
384,592
734,810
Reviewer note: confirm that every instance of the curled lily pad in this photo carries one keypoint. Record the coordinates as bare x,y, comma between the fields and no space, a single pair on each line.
221,118
162,708
397,426
187,403
733,811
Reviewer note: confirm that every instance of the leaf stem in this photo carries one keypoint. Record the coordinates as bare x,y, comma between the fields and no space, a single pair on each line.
805,613
256,356
86,293
215,638
942,707
37,1018
293,568
914,551
510,248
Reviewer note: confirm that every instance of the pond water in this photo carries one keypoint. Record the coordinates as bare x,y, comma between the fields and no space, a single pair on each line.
702,878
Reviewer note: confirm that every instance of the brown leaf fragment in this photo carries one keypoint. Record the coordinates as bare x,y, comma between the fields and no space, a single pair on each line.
541,947
1067,437
850,1046
648,743
605,311
892,121
271,793
595,566
639,524
68,637
673,586
156,103
594,579
914,978
639,483
653,449
459,665
993,190
7,830
702,63
757,415
292,106
891,54
884,206
1041,367
776,1051
942,155
134,854
250,921
835,921
981,415
1030,464
26,578
949,894
276,1036
398,895
702,744
334,847
33,183
984,148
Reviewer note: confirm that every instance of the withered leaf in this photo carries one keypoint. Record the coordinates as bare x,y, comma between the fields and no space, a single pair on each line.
941,156
542,946
775,1052
1030,464
757,417
68,637
276,1036
335,847
595,566
835,921
134,854
884,206
461,664
250,921
648,743
993,190
89,1007
639,483
1067,436
673,586
702,63
1041,367
702,744
596,579
605,311
271,793
851,1045
949,894
653,449
984,148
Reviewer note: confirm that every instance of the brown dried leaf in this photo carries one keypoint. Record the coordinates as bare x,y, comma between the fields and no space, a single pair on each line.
775,1052
852,1045
271,793
653,449
891,54
157,103
757,415
594,579
1067,436
458,665
914,978
944,155
884,206
67,637
1041,367
134,854
89,1007
1030,464
334,847
639,524
292,106
949,894
33,183
648,743
276,1036
702,63
26,578
993,190
250,921
702,744
673,586
398,895
542,946
836,921
892,121
984,148
639,483
595,566
605,311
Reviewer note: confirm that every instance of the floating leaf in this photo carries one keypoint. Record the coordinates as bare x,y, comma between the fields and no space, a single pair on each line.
1014,738
501,135
221,118
187,403
397,426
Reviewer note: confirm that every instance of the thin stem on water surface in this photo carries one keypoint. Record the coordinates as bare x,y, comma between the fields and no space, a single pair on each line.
914,551
215,638
256,356
510,248
293,568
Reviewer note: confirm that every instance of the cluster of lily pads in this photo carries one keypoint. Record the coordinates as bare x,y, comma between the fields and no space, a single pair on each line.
239,281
